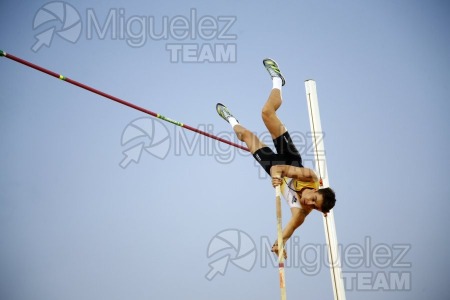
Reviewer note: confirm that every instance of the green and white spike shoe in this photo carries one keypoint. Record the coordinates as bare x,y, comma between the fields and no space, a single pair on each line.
272,67
223,111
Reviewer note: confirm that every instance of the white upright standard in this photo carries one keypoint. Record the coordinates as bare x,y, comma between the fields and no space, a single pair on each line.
321,168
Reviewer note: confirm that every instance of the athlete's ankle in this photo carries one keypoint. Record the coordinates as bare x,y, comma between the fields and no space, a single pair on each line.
277,83
233,122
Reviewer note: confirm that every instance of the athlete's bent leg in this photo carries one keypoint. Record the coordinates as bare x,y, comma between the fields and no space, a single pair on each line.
269,116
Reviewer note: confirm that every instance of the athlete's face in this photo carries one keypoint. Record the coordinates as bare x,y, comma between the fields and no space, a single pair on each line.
312,198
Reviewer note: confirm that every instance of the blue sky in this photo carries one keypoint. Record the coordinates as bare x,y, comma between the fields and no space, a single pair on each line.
75,224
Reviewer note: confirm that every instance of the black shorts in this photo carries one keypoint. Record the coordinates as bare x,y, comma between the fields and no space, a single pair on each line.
287,154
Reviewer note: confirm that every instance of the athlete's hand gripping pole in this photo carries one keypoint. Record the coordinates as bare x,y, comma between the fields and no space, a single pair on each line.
280,243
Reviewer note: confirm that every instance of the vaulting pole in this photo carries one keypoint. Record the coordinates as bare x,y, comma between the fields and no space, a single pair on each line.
321,168
280,243
118,100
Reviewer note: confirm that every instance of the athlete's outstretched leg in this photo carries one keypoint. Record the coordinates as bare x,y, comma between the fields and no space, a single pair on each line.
263,154
243,134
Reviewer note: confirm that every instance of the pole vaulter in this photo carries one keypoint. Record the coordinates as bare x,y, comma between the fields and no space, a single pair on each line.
123,102
301,187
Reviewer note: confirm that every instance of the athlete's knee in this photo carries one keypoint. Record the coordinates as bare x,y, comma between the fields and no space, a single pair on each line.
268,113
269,116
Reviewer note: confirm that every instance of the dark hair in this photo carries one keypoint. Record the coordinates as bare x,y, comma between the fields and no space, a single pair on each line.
329,199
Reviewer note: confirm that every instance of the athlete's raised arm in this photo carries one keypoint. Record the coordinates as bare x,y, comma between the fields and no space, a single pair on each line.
302,174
